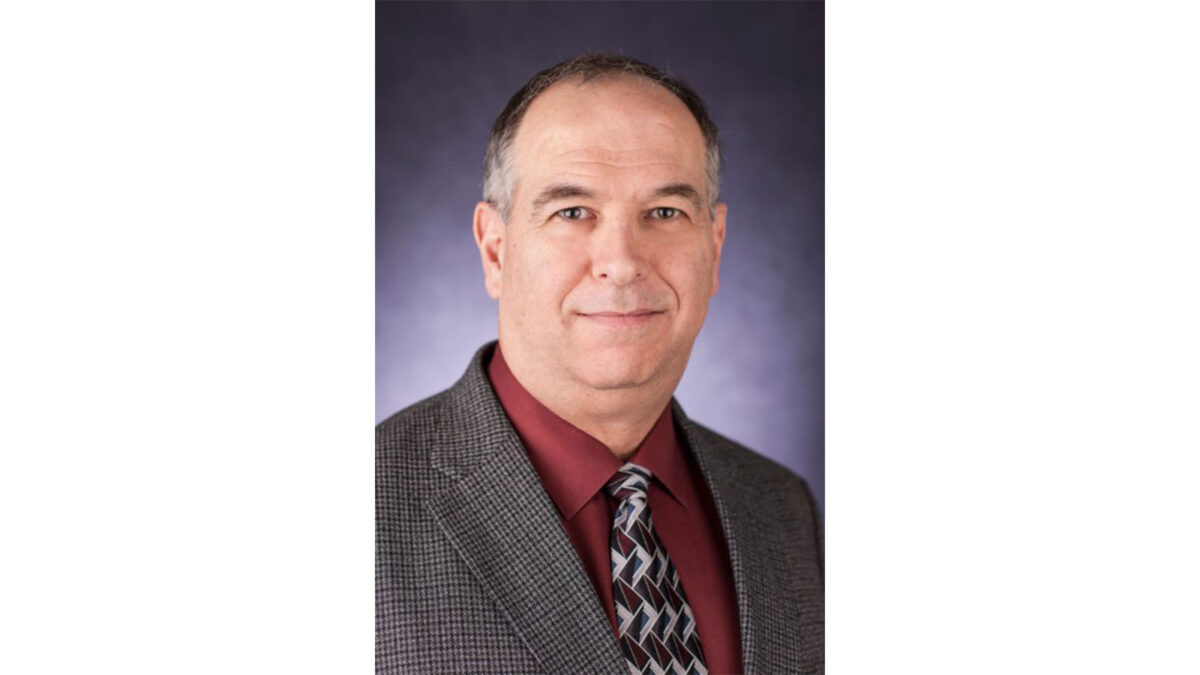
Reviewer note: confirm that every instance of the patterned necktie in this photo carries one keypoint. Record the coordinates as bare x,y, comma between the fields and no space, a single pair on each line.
655,624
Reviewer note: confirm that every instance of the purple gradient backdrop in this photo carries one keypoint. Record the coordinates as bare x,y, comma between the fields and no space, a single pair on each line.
443,73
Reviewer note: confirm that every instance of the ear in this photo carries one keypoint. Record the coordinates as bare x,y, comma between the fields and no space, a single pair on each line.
489,237
719,212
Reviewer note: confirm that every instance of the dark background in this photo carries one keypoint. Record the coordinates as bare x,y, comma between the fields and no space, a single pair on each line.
445,70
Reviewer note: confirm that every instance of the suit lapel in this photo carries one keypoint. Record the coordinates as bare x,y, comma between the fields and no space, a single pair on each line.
765,614
505,527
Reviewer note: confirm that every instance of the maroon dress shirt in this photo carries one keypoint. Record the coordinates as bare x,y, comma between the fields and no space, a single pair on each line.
574,467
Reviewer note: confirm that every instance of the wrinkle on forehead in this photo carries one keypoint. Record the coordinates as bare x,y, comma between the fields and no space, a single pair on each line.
583,160
631,133
606,179
616,147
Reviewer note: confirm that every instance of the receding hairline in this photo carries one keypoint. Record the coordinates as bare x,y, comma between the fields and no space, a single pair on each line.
642,81
609,79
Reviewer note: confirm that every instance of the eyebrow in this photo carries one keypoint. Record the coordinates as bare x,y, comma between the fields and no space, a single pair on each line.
680,190
569,190
560,191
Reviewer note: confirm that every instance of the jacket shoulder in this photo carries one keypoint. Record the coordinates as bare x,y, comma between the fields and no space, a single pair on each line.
418,420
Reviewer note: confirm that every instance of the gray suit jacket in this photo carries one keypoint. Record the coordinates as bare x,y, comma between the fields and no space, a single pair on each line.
475,573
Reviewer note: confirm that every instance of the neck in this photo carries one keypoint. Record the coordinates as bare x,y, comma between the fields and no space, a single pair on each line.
618,418
621,422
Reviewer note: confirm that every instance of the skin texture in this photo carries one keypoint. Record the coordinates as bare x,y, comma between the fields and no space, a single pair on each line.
613,239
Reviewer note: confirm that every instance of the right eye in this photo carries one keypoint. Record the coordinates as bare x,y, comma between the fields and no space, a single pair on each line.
572,213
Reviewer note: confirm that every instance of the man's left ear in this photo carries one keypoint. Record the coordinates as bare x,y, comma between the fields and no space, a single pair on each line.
719,212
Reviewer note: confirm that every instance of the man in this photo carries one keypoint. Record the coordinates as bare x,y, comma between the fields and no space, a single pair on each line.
555,510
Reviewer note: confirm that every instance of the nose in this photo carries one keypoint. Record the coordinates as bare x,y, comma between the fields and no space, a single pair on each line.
617,255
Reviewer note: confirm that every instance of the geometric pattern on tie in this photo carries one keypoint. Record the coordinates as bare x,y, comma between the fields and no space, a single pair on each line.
655,624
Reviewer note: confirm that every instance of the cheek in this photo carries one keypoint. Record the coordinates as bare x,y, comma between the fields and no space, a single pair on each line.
689,273
548,271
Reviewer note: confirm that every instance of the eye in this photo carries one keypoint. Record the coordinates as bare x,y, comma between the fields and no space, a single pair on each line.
664,212
573,213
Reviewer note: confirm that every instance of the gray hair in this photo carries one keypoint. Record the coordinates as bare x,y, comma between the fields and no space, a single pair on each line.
498,176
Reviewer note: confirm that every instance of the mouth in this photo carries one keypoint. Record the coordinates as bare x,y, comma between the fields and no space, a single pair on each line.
634,319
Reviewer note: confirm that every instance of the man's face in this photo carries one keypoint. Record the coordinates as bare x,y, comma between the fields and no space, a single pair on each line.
607,262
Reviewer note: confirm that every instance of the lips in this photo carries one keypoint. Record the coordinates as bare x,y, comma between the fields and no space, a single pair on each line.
616,315
640,319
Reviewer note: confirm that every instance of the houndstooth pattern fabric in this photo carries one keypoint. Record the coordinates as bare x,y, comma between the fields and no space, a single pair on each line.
466,583
654,621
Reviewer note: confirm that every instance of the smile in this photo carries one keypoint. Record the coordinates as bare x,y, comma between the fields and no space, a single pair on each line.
635,319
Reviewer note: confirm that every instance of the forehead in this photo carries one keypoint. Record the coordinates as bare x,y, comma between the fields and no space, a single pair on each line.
622,129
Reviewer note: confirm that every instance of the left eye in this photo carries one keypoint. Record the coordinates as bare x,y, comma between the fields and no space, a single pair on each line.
665,212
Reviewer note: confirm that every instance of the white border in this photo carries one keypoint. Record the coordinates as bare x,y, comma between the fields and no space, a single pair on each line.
187,273
1012,334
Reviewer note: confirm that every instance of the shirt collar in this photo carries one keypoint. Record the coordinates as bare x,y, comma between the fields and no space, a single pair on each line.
572,465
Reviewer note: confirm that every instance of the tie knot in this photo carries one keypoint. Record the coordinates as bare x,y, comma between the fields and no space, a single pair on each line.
630,480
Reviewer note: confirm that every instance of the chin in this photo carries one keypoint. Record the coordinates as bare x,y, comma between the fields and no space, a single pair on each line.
617,369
